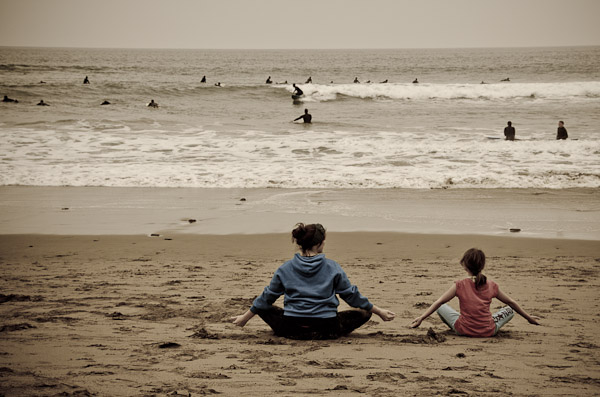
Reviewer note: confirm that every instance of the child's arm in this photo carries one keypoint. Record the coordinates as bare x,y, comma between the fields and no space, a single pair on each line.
451,293
510,302
385,315
240,321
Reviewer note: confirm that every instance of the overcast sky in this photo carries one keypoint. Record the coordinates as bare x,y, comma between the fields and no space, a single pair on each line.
299,24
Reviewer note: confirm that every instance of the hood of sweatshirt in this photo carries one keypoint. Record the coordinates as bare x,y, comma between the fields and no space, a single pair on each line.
308,265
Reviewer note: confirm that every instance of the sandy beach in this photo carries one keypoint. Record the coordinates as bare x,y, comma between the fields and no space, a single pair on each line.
135,315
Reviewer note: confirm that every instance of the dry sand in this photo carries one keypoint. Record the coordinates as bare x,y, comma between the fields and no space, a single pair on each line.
144,316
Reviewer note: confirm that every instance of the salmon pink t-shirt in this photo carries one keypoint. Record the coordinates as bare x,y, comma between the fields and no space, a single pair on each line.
475,317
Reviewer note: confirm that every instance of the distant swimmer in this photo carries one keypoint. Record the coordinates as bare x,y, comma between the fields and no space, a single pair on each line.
218,84
152,104
42,103
306,116
309,80
86,80
416,81
368,81
42,82
203,79
483,82
506,79
509,132
356,80
7,99
269,81
105,103
561,133
297,90
384,81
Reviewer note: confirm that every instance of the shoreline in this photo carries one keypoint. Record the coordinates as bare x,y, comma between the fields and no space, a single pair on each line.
538,213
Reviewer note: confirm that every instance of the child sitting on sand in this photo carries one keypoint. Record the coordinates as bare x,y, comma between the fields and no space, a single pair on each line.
475,295
310,283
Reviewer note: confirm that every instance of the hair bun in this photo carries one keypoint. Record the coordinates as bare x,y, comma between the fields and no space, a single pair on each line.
307,236
299,231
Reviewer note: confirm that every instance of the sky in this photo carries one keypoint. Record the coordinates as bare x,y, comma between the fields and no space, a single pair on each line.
310,24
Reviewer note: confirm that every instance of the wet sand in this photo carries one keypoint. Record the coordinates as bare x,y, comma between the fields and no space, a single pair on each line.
548,213
133,315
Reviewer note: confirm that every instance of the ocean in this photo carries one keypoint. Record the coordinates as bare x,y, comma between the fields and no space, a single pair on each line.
445,132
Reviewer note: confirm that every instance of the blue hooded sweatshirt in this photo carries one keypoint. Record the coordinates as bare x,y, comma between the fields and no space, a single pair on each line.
310,285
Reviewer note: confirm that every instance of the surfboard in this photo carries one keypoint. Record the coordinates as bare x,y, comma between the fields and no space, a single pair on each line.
296,97
516,139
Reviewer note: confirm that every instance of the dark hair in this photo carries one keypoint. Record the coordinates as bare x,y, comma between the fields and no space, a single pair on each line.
474,261
307,236
510,123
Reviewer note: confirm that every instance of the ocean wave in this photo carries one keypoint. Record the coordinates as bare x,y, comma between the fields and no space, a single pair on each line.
502,91
108,155
330,92
52,68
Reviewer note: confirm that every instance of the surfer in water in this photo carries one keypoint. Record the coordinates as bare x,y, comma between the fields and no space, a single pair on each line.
105,103
7,99
356,80
309,80
152,104
506,79
203,79
86,80
297,90
306,116
42,103
509,132
269,81
416,81
561,133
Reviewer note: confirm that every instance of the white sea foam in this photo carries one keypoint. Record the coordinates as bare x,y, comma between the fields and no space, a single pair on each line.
422,91
205,158
427,135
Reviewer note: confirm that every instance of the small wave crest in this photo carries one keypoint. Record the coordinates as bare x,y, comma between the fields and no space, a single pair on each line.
508,91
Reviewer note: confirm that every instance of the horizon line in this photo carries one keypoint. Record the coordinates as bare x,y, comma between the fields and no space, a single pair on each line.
299,49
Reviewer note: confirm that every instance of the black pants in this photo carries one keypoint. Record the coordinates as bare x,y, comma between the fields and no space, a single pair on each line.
308,328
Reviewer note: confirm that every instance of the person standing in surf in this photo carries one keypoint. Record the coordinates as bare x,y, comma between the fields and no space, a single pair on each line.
310,283
306,117
509,132
561,133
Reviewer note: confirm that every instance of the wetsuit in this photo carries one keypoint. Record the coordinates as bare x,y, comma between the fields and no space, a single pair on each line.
561,133
307,118
509,133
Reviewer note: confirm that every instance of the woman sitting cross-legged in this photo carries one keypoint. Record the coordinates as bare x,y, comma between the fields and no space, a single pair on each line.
310,283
